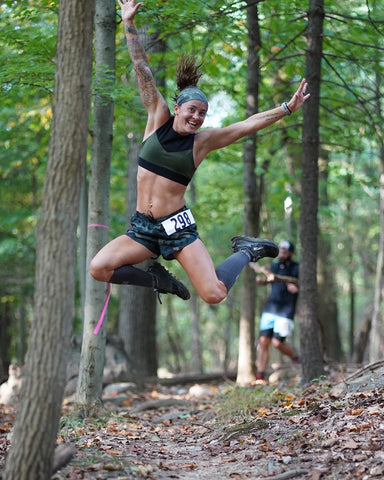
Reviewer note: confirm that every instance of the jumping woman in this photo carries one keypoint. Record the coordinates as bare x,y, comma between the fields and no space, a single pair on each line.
172,149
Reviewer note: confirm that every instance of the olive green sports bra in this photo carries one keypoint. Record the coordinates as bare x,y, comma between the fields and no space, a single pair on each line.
169,154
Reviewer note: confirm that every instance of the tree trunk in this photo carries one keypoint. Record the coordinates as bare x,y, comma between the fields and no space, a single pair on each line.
328,313
351,272
174,339
196,350
228,334
360,350
137,330
34,436
252,202
82,255
90,385
309,334
376,349
5,340
23,333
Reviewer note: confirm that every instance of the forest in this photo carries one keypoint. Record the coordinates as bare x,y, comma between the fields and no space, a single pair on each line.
68,183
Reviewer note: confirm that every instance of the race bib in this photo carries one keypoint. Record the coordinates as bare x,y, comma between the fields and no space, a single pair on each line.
178,222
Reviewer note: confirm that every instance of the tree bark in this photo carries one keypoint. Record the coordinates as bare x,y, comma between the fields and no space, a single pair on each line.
351,272
360,349
309,335
377,328
5,340
34,436
328,313
82,248
89,388
196,349
252,205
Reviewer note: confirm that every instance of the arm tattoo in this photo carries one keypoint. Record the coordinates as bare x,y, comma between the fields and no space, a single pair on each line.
131,30
146,82
136,50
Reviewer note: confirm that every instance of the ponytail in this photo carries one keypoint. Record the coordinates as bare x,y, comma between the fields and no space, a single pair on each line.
187,77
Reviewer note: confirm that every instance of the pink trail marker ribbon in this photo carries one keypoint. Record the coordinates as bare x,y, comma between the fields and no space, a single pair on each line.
106,301
97,225
108,295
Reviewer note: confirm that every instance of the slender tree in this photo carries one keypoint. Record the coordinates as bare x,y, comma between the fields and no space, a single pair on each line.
93,347
328,313
309,332
33,442
377,327
247,355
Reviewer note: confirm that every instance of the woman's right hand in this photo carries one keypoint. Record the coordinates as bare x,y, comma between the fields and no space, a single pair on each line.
129,9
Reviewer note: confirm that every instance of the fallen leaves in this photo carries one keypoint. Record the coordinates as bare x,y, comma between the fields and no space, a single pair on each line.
315,433
358,428
356,411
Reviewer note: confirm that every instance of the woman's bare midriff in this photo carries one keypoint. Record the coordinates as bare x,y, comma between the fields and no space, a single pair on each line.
158,196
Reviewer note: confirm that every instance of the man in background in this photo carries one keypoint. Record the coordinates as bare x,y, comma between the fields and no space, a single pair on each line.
276,322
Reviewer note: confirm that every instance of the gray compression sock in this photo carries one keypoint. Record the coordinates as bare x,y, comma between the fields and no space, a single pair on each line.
228,270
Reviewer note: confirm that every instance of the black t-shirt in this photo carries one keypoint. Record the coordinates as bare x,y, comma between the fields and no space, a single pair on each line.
280,301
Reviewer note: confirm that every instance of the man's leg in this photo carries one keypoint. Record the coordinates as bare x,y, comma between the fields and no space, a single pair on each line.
282,329
284,348
267,322
262,356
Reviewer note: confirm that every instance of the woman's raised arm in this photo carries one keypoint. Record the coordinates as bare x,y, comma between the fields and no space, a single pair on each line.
216,138
152,99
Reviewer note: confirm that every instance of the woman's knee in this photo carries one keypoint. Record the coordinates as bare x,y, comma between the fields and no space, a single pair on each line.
94,270
97,270
213,296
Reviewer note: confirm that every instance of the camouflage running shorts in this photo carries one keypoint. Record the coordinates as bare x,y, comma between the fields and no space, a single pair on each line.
150,232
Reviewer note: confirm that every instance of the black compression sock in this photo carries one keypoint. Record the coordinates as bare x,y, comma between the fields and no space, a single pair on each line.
128,275
228,270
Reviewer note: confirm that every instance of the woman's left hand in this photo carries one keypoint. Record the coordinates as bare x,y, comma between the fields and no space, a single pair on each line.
128,9
299,97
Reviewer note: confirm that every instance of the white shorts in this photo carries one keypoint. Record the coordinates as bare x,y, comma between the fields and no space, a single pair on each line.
280,325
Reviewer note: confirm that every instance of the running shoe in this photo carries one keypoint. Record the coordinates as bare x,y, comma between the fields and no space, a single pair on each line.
165,282
256,247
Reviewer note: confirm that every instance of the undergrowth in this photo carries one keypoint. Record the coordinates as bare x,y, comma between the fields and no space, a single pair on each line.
243,404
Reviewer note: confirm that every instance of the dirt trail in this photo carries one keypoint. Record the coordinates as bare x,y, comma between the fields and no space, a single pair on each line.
327,431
